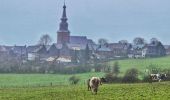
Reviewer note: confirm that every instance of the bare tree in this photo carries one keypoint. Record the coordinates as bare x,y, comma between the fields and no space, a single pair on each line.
45,40
138,41
102,41
123,42
154,41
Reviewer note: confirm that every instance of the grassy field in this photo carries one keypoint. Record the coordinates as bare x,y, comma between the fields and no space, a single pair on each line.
142,91
19,80
38,86
143,64
25,80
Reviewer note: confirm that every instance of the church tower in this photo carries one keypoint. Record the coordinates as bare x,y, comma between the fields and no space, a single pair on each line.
63,34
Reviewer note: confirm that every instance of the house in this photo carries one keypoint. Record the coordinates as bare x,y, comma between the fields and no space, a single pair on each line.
167,48
119,49
19,52
155,49
103,52
4,53
3,50
54,50
37,52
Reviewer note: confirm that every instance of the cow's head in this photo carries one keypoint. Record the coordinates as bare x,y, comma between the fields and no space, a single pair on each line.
163,76
103,80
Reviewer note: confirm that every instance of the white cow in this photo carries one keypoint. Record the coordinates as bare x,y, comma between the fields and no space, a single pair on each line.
157,77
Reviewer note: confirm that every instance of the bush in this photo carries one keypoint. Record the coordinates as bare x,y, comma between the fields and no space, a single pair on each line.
131,76
111,78
74,80
98,67
146,78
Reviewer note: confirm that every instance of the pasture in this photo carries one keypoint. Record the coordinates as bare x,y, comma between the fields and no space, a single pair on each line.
13,80
26,80
143,64
140,91
57,87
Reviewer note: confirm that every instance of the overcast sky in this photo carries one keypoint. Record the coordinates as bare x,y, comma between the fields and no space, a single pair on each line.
24,21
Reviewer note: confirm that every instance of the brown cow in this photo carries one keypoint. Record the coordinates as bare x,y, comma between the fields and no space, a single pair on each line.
93,84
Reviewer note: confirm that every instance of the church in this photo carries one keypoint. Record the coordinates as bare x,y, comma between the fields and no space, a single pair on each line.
66,44
64,37
72,48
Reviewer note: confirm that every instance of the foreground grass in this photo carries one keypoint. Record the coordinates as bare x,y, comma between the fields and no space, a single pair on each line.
145,91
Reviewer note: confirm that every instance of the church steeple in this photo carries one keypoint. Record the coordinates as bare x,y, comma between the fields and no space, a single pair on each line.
64,24
63,34
64,12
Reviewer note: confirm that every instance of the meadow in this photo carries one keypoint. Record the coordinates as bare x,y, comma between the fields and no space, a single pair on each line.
57,86
142,64
27,80
19,80
140,91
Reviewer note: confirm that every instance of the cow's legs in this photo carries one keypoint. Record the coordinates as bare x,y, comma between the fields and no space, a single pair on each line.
96,91
159,80
89,88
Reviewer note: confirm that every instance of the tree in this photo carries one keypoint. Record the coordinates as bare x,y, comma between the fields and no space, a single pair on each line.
116,69
123,42
138,41
102,41
45,40
154,41
131,76
87,54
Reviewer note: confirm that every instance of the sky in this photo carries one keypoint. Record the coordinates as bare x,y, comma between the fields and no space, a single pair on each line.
22,22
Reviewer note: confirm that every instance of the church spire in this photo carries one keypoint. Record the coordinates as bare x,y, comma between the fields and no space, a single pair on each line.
63,34
64,24
64,16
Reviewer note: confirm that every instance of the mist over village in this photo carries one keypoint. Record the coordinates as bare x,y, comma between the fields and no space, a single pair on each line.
81,66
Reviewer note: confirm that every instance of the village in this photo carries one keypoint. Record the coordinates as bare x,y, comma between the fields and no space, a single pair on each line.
84,50
80,49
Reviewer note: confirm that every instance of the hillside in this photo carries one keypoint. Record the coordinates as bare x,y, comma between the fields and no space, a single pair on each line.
143,64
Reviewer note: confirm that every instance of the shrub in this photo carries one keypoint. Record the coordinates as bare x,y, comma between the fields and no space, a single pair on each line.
110,78
131,76
74,80
116,69
98,67
146,78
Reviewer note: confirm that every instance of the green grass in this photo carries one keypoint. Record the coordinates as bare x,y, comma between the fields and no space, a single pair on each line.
37,86
142,91
143,64
21,80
